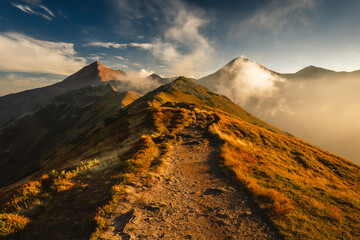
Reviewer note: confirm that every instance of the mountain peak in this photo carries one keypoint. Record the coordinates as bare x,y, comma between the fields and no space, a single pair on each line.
311,71
237,60
154,75
94,73
96,63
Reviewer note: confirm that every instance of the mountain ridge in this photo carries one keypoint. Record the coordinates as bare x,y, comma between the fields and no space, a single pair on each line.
93,182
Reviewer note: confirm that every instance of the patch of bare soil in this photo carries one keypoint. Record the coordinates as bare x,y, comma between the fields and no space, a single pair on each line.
189,200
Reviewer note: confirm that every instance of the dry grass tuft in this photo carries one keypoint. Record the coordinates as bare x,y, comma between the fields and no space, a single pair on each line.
25,195
11,223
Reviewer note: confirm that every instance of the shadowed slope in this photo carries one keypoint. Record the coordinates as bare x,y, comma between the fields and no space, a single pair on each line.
36,137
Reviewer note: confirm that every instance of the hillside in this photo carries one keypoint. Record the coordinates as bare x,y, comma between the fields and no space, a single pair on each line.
15,104
37,139
185,90
116,177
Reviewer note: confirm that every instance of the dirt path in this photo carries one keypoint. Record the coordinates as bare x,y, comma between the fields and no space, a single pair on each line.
188,201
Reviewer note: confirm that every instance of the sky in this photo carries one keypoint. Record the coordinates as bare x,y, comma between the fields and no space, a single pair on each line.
43,41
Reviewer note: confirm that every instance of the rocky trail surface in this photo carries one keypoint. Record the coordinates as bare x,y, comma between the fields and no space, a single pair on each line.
189,200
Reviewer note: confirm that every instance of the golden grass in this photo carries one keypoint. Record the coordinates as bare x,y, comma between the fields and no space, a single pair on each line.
308,193
11,223
25,196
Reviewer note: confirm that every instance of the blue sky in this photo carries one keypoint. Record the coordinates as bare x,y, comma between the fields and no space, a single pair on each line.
43,41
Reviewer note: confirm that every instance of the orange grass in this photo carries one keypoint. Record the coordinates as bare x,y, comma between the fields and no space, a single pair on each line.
307,192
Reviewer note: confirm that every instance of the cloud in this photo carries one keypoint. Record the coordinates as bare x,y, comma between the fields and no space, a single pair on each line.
181,44
279,13
43,11
21,53
136,81
106,44
94,57
325,112
122,58
119,45
122,66
144,73
47,10
142,45
252,86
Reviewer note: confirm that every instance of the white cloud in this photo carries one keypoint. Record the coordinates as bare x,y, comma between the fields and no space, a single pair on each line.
21,53
122,58
252,86
47,10
24,8
181,45
142,45
44,11
143,73
279,13
122,65
94,57
106,44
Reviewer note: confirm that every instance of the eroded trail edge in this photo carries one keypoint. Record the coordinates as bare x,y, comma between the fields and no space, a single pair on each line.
189,200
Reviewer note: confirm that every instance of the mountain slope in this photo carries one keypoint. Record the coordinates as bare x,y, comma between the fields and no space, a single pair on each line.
36,138
304,191
94,74
185,90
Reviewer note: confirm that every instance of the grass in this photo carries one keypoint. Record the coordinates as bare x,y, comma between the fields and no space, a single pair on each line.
11,223
308,193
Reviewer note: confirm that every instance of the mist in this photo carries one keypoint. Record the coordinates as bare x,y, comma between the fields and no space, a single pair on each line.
322,109
324,112
136,81
249,85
